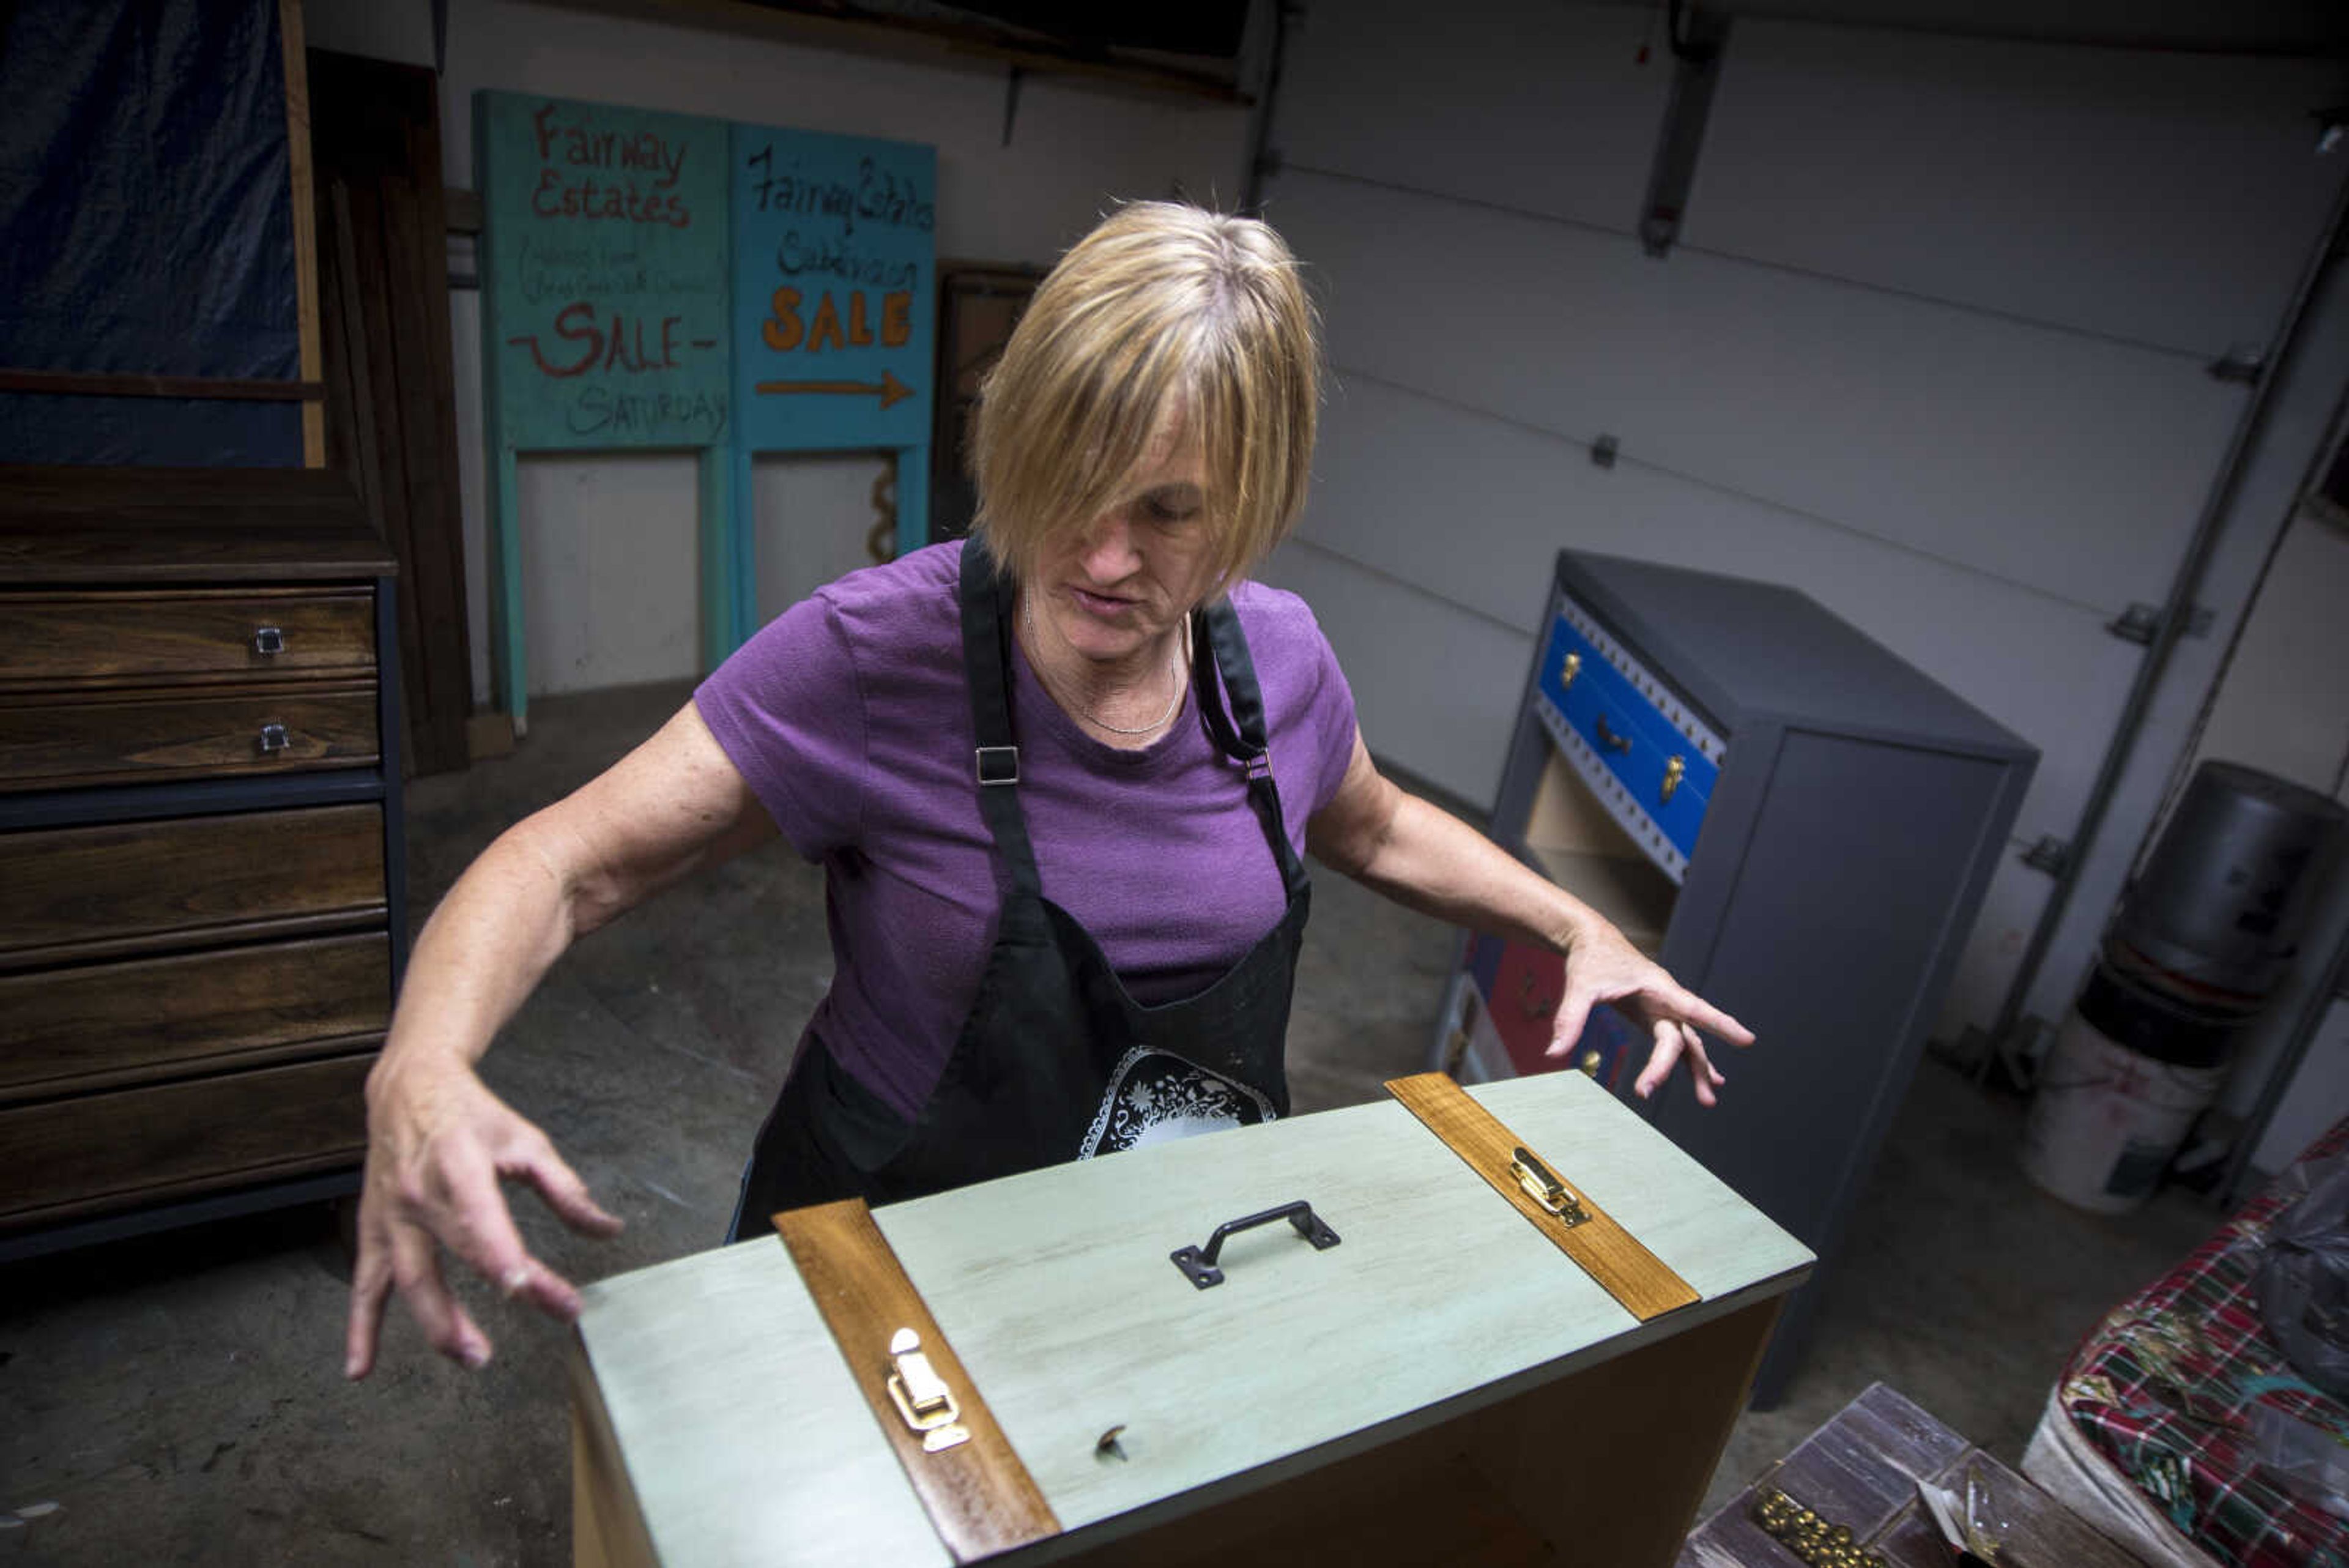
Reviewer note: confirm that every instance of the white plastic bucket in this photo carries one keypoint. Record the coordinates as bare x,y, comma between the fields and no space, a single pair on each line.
2106,1121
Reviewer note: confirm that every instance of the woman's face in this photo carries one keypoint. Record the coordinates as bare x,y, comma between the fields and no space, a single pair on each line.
1113,589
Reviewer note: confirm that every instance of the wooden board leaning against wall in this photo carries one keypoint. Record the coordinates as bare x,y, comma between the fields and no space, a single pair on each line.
383,284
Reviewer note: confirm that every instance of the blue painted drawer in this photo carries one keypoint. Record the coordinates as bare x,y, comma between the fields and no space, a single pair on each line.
1650,761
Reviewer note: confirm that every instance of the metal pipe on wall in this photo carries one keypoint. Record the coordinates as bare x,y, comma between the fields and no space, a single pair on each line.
2175,610
1262,159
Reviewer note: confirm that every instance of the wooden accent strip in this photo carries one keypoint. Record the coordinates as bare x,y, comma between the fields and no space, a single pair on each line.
978,1495
305,229
1607,1254
138,384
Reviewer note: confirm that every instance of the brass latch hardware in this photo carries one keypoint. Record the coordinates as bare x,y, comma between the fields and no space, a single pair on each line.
1674,770
1567,672
921,1396
1816,1540
1554,1196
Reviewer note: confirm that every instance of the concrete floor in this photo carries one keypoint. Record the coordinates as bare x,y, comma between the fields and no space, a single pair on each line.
180,1399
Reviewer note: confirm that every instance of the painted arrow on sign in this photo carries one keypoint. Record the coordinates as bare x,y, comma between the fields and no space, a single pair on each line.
892,389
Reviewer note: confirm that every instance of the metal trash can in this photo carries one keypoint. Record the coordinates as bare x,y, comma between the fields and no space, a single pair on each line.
2204,937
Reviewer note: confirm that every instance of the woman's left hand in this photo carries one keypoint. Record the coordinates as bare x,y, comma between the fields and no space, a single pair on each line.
1601,966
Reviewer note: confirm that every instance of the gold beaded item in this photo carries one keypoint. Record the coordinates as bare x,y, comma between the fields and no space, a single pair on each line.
1817,1541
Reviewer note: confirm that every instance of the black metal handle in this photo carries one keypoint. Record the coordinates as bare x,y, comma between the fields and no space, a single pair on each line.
1198,1263
1609,738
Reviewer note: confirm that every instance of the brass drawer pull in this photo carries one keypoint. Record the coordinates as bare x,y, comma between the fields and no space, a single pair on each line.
273,739
1568,670
1609,738
268,639
1674,770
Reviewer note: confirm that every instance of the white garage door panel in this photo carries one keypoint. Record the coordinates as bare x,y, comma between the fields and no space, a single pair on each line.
1474,512
2070,463
2010,911
1529,104
1437,688
2166,199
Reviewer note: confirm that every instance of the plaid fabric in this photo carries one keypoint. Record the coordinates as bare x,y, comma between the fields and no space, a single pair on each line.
2163,1386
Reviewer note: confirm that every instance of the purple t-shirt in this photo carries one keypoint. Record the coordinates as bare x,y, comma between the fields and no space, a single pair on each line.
849,718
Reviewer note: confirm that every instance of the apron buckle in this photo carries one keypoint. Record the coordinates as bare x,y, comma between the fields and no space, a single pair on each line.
998,765
1260,766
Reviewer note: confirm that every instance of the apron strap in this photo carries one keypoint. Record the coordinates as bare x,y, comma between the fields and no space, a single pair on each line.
986,597
1221,669
1218,646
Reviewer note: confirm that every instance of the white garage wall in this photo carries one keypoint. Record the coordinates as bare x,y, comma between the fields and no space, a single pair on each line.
1073,151
1932,349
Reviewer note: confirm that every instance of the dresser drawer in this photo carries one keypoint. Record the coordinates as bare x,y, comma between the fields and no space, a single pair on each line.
1651,763
79,893
61,1159
67,640
111,1023
47,743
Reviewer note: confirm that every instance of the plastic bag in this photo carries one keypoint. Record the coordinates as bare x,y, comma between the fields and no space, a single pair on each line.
2304,1277
2308,1459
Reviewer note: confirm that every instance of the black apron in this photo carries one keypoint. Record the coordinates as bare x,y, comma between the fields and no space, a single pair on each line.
1055,1060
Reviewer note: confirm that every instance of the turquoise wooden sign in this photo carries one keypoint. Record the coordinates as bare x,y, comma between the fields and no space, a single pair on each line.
834,305
660,281
605,269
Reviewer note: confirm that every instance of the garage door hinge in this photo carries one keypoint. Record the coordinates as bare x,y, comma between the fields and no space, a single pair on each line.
2141,623
2050,855
2240,365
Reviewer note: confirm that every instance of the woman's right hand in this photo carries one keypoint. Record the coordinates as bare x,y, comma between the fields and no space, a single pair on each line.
439,1143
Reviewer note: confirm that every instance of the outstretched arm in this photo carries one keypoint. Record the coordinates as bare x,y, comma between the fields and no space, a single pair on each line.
1422,856
439,1141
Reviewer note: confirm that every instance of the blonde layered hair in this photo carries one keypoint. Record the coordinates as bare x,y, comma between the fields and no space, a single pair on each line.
1165,312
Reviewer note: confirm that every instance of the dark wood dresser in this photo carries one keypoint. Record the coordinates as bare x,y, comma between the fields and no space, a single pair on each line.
202,919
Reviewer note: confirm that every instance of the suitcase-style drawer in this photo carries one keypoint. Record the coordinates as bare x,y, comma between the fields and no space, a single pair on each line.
111,1023
63,1159
71,894
1650,762
1646,698
54,641
137,738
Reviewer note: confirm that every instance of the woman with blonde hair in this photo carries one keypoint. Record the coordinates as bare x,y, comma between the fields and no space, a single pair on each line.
1061,779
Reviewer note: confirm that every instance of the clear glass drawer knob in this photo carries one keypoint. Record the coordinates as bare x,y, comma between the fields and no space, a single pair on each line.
268,639
273,739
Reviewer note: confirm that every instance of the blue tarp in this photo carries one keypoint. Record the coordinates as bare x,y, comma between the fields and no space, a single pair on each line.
145,225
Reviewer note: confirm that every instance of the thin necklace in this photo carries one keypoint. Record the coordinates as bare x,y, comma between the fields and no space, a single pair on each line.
1028,614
